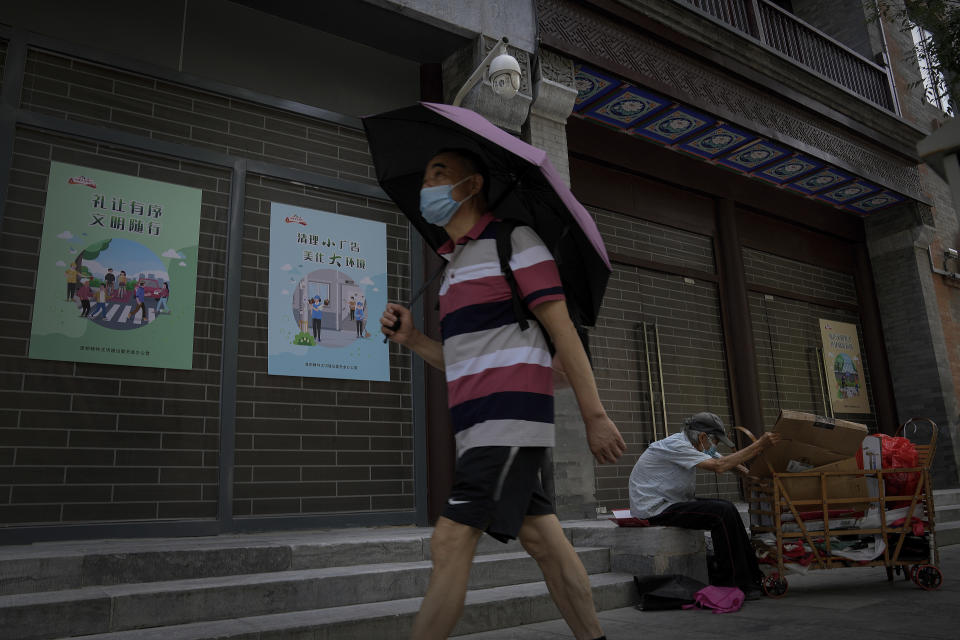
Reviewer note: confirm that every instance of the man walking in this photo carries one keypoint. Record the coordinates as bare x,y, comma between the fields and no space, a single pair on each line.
138,293
500,392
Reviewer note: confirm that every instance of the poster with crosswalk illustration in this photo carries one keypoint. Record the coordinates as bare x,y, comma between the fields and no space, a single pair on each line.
117,277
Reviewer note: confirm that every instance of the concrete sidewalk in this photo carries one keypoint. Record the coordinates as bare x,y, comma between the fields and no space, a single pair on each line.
847,604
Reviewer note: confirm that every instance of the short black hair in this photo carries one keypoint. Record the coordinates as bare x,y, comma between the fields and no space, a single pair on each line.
475,164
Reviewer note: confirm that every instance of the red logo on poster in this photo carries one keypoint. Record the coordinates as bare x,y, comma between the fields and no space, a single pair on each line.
84,181
296,219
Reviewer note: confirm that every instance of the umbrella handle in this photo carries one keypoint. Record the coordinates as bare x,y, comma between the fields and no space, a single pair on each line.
396,325
416,296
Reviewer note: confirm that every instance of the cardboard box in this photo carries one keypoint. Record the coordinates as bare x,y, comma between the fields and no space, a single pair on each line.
808,487
823,445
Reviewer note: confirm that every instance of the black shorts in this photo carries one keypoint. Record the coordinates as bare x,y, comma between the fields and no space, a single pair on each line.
494,488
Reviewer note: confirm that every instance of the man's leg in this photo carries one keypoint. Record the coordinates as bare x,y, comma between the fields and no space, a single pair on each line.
544,540
731,546
451,549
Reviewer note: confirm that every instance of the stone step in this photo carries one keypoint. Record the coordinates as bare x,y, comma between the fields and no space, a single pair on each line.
948,534
70,565
946,497
486,609
106,608
947,513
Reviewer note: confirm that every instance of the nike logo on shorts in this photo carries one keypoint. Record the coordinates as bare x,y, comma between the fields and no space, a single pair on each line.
453,503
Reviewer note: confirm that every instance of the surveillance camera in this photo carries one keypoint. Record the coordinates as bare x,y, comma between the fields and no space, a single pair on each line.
951,253
504,75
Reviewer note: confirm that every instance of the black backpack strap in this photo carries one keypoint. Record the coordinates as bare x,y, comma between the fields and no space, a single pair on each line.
504,252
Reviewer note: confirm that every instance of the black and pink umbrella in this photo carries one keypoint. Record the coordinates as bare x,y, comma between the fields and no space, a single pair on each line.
524,186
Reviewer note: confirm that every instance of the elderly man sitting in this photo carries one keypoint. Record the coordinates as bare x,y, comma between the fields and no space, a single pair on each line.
663,484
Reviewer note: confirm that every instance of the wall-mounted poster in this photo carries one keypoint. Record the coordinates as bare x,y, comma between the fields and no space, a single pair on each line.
843,366
117,278
328,287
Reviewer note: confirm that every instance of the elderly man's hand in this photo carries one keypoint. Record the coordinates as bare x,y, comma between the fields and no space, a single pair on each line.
769,439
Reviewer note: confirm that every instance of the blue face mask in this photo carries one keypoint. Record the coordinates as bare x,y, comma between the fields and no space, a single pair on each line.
437,205
712,451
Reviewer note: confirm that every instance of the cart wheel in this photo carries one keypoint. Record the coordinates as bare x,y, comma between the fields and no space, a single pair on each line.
775,585
928,577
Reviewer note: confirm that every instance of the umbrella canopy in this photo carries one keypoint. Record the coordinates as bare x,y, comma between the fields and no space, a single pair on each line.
523,186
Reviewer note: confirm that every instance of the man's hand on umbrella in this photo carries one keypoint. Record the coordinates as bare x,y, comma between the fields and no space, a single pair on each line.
604,438
393,314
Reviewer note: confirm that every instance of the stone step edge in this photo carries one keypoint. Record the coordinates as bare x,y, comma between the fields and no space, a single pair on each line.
396,614
75,564
217,582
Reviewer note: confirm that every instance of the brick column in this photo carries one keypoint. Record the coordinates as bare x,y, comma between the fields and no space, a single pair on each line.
912,328
554,96
572,484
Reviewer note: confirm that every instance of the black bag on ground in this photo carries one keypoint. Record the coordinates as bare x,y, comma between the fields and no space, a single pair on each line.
659,593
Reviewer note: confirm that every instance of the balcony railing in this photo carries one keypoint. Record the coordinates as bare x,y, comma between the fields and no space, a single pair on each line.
804,44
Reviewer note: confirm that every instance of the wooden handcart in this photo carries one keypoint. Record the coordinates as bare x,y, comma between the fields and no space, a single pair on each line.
772,508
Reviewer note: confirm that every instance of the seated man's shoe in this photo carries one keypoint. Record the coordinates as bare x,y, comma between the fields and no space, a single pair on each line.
753,593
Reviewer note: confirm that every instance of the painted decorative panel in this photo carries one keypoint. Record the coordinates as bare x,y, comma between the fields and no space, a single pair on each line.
673,125
876,202
721,139
754,156
849,192
788,169
820,181
591,84
627,107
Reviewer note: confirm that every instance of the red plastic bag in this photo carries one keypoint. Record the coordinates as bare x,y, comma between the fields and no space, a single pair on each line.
896,453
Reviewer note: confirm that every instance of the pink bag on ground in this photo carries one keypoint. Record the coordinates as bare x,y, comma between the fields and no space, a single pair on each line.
720,599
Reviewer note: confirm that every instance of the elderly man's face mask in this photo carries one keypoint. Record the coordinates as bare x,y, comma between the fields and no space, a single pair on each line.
709,445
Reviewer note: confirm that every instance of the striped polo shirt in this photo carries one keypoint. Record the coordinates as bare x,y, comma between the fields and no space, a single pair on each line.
499,378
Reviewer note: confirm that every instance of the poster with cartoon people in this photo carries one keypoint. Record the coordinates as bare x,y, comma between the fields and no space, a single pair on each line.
844,367
328,278
117,277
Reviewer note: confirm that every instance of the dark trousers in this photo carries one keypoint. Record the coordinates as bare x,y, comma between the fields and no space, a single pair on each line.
85,305
143,312
731,547
316,328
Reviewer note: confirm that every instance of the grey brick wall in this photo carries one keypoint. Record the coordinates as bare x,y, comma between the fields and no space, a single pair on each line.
3,60
653,242
790,372
916,350
786,333
761,268
86,92
86,442
93,443
687,314
318,445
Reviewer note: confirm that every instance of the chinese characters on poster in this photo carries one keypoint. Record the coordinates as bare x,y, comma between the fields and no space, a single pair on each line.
117,277
843,367
328,287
